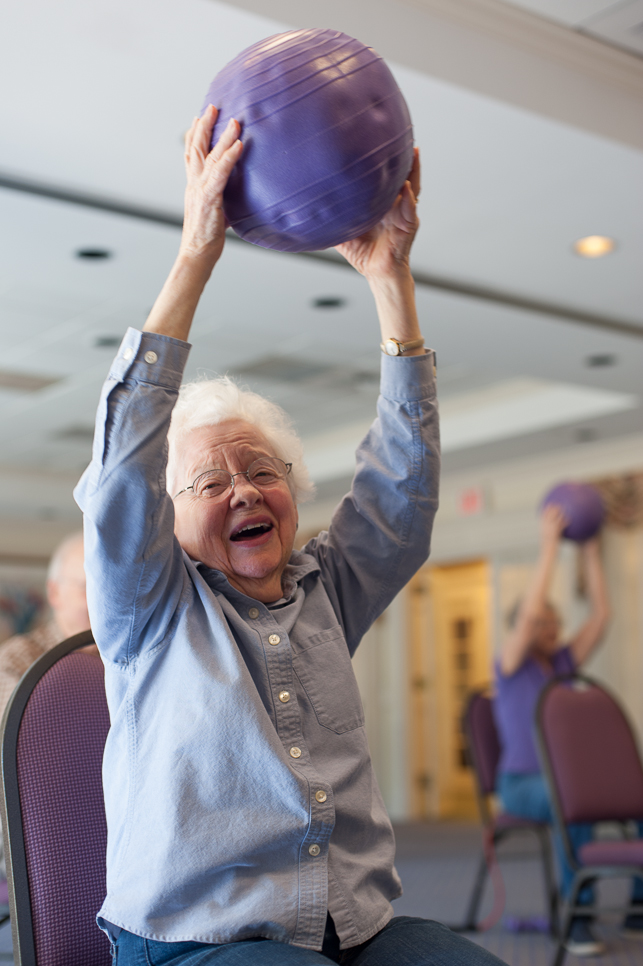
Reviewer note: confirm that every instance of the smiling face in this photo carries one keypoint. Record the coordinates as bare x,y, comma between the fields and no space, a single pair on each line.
249,533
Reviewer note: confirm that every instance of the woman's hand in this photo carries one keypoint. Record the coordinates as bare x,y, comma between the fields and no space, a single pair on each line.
552,523
384,250
204,222
204,225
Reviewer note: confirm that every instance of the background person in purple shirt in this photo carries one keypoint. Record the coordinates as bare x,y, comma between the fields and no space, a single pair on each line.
531,655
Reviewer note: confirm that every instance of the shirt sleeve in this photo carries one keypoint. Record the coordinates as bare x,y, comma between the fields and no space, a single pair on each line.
134,564
381,532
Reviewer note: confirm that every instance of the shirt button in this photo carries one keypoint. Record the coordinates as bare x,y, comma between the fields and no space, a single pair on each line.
284,697
321,795
128,353
313,850
253,612
274,639
151,357
295,752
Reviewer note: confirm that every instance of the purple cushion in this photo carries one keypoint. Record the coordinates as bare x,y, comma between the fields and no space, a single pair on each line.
60,753
612,853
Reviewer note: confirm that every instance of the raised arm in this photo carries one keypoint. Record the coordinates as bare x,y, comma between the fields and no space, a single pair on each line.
382,256
517,643
591,633
134,564
204,226
380,533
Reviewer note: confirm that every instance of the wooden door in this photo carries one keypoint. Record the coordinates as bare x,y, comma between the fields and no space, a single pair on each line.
449,656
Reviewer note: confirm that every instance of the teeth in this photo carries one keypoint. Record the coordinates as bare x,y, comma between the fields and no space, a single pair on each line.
252,526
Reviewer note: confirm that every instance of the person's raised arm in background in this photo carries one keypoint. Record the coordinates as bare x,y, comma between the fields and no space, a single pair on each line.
587,639
533,608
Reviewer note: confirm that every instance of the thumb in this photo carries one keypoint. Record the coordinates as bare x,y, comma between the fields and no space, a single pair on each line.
407,204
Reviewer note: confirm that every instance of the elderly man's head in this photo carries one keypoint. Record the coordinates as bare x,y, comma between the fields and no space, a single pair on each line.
245,526
66,586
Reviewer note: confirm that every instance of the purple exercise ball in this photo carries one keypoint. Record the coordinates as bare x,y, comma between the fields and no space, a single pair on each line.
583,507
327,136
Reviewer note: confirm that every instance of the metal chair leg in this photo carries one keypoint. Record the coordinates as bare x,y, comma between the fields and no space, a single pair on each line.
551,888
570,910
471,918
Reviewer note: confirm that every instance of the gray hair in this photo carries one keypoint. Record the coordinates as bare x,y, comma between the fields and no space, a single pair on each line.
208,402
58,557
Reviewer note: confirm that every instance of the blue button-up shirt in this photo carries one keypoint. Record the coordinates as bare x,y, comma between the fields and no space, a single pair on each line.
232,813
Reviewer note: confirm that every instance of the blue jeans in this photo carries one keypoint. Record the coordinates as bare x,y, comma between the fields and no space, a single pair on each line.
405,941
527,797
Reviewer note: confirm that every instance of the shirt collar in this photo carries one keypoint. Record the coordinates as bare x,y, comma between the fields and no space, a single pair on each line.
299,566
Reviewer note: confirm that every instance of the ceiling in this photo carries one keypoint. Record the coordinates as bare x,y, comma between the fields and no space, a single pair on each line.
619,22
100,97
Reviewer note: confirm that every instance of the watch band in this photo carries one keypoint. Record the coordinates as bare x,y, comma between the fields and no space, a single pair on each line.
392,347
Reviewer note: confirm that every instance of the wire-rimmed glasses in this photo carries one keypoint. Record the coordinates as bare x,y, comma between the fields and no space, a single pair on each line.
262,473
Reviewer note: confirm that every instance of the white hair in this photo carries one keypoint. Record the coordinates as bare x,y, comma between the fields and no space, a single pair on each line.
208,402
59,556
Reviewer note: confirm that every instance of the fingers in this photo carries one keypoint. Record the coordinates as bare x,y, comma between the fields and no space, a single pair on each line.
414,176
202,135
554,520
187,140
225,142
407,205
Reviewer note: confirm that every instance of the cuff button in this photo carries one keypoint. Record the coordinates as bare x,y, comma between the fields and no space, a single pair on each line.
151,357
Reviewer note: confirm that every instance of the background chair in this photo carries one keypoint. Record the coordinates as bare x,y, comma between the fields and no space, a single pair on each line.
484,753
53,734
593,768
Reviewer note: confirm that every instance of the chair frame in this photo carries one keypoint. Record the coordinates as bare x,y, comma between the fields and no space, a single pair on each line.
498,835
24,949
583,874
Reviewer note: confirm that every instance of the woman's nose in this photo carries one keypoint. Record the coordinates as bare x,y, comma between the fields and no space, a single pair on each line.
244,492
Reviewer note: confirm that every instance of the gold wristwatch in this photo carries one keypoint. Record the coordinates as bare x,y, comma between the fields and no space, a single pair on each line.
394,348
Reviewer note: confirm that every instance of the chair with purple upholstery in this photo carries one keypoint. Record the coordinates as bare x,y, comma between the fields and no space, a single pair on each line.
484,750
53,817
593,769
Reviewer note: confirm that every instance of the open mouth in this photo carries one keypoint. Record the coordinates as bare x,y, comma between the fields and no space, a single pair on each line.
251,531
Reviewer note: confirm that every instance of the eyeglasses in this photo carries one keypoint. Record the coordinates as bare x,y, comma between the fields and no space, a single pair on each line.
262,473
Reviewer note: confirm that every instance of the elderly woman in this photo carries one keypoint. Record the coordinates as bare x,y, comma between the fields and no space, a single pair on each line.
245,822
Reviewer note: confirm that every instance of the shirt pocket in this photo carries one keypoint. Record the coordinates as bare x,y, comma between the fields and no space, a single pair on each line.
324,668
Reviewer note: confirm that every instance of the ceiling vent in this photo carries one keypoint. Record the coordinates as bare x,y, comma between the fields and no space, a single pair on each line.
283,369
76,434
293,371
25,381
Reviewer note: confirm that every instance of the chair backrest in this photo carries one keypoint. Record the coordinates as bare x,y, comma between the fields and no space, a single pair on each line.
588,752
483,742
53,737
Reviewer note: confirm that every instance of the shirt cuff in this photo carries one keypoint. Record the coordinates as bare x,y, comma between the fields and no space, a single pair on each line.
151,358
408,377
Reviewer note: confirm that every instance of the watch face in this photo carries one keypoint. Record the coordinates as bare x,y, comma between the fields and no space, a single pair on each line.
392,348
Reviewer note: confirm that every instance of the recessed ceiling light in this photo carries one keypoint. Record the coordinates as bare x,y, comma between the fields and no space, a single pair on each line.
585,435
93,254
329,302
594,246
600,360
107,341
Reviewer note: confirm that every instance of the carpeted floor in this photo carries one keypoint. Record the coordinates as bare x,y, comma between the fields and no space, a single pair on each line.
437,862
